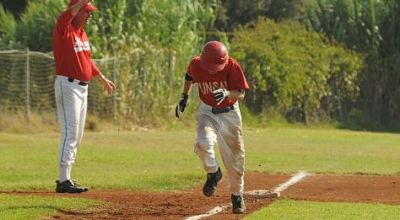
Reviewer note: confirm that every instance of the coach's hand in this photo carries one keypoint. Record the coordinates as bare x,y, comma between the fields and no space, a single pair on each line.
108,85
87,1
181,105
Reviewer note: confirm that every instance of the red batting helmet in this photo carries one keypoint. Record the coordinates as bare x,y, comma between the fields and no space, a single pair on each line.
214,56
87,7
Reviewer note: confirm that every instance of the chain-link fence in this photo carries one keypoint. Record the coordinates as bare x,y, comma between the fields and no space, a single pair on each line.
148,85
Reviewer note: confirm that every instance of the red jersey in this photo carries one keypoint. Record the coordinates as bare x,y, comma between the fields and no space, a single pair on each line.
230,78
71,50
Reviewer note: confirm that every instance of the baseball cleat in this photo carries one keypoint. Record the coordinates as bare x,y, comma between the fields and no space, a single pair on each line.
238,204
211,184
69,186
78,185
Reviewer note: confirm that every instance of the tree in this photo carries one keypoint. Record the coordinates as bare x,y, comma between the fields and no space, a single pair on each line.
148,44
231,13
370,27
16,7
297,72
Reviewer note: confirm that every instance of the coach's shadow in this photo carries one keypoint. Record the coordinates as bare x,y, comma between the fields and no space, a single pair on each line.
58,209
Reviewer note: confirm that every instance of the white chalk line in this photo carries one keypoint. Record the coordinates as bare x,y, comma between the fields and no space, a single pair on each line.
213,211
295,179
280,188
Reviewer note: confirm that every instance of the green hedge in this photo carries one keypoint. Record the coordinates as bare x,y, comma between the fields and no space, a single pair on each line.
297,72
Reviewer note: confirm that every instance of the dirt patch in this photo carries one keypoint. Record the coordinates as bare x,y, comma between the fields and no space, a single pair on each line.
366,189
183,204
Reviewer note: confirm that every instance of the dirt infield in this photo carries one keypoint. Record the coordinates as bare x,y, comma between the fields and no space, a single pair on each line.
183,204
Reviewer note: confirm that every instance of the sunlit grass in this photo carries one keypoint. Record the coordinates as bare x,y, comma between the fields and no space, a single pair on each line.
35,207
146,160
156,160
299,210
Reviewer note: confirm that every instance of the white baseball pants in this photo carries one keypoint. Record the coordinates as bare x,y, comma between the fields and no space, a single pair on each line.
71,102
226,130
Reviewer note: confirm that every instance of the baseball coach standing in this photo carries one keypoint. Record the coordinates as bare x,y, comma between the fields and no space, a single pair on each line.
75,69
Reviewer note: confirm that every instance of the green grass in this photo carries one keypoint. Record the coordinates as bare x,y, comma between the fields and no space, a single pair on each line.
322,151
35,207
153,160
118,159
164,160
300,210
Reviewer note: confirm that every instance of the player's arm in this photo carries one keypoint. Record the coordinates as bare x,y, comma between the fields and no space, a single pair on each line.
221,94
239,82
187,87
237,94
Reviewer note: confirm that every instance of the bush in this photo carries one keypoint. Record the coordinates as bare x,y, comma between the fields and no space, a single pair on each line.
300,73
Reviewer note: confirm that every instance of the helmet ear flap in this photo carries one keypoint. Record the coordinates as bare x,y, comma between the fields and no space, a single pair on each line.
214,56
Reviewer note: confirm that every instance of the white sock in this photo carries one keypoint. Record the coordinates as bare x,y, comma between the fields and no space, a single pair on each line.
65,173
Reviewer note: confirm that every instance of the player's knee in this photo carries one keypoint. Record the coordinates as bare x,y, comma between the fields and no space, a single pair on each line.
197,147
202,145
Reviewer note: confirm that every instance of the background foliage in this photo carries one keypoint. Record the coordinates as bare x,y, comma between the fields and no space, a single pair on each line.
348,72
299,73
370,27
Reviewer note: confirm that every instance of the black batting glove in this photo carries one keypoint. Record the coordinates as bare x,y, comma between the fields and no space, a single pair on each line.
181,105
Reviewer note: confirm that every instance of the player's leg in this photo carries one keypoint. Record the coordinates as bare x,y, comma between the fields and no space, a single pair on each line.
205,142
230,141
204,148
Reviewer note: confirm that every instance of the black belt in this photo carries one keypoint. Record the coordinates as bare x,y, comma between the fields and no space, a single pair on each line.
222,110
80,82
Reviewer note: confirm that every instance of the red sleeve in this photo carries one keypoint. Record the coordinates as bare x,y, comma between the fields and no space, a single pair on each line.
237,79
191,70
64,21
95,70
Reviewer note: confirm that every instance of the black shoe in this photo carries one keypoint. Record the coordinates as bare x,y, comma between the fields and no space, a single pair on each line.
212,181
78,185
237,204
69,186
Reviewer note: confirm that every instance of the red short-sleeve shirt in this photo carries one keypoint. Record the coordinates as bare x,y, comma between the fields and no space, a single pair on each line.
230,78
71,50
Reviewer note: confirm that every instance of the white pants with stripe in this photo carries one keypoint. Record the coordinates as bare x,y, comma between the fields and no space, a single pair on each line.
71,102
226,130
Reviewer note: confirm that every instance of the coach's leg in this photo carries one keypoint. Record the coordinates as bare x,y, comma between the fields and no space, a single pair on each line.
69,103
81,122
83,112
64,169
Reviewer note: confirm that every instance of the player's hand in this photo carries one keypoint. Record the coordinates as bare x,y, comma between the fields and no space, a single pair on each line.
220,95
181,105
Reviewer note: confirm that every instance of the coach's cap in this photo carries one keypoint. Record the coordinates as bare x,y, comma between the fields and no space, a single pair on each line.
87,7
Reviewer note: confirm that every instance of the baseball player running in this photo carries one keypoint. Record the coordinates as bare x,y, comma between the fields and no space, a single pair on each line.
221,83
75,69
